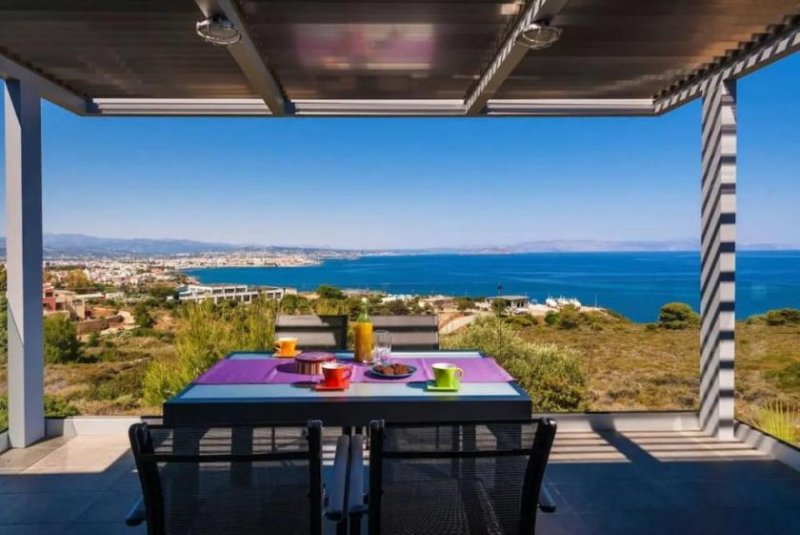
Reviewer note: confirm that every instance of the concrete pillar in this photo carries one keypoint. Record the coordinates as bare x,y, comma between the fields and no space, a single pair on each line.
24,263
718,259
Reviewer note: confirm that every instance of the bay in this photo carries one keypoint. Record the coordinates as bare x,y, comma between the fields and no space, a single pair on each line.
634,284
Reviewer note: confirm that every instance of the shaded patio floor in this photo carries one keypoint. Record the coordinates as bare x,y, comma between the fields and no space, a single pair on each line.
603,483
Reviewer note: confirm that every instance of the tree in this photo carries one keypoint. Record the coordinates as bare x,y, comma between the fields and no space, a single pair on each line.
295,304
161,292
398,307
76,279
499,307
677,316
141,314
329,292
464,303
61,342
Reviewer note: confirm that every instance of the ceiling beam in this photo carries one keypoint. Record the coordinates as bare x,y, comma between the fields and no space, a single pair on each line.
749,58
170,107
510,54
249,59
253,107
48,89
600,107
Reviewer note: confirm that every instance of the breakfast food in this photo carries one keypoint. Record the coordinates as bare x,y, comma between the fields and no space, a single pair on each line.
393,369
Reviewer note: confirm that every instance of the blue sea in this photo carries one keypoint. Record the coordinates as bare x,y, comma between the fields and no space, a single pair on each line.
635,284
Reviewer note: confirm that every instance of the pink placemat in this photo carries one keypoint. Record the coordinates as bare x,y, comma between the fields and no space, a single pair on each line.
281,371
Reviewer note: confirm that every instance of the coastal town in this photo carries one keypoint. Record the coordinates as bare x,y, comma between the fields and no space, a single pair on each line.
94,292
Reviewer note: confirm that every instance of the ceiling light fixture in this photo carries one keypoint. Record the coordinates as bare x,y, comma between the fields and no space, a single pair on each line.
218,31
539,35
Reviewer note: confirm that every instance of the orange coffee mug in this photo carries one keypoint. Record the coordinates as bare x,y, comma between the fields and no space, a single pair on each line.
336,374
286,346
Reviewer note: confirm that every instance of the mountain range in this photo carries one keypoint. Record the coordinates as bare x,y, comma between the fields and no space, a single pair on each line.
83,245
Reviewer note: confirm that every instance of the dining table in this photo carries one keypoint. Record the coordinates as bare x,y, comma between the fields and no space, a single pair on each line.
259,388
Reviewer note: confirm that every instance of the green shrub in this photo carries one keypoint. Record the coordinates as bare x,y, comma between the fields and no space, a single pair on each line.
55,407
142,317
677,316
61,342
551,318
569,317
521,320
295,304
783,316
329,292
205,334
499,307
93,340
552,375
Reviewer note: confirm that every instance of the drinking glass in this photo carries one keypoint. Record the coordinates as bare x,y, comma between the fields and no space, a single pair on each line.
382,347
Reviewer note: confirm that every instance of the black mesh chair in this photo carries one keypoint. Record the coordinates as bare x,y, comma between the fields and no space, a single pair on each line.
410,333
314,332
455,478
236,480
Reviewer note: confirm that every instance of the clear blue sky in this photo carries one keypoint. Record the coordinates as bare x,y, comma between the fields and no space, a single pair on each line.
419,183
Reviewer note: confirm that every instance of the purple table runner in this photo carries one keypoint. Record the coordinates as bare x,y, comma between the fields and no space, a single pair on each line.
281,371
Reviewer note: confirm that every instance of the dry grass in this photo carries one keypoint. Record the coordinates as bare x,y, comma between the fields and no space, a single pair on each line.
631,367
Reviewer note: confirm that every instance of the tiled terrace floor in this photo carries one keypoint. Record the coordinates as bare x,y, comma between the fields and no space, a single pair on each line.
603,483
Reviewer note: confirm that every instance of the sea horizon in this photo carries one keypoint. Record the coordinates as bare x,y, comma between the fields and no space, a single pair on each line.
633,283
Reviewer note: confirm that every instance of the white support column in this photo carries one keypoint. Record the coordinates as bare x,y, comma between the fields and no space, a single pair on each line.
24,263
718,259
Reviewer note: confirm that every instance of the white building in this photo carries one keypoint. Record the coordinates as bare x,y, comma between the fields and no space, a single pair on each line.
236,292
515,303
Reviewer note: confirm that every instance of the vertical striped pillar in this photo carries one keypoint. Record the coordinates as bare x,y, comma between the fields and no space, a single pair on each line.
718,259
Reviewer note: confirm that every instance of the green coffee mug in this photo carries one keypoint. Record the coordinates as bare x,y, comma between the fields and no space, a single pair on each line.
447,375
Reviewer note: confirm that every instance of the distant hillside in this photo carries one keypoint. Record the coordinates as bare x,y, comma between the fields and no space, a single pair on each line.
81,244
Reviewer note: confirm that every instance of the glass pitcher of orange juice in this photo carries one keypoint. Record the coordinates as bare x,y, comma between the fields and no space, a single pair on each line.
362,329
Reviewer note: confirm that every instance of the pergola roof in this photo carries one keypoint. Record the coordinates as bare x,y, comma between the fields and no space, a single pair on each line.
391,57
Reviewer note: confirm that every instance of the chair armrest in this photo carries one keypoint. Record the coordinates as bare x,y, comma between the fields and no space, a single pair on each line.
137,514
546,502
337,493
356,504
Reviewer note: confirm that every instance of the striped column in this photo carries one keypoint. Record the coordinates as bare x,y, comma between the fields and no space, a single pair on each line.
718,259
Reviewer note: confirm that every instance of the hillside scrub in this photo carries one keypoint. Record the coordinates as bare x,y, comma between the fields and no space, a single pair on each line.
206,333
781,316
551,374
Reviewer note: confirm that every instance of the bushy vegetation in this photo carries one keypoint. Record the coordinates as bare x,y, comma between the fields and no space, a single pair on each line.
61,342
781,316
677,316
570,317
207,332
551,374
54,407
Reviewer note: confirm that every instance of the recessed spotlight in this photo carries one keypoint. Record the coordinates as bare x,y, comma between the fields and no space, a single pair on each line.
539,35
218,31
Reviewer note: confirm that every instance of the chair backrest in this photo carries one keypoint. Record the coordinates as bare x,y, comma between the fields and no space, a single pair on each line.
230,480
410,333
314,332
457,477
